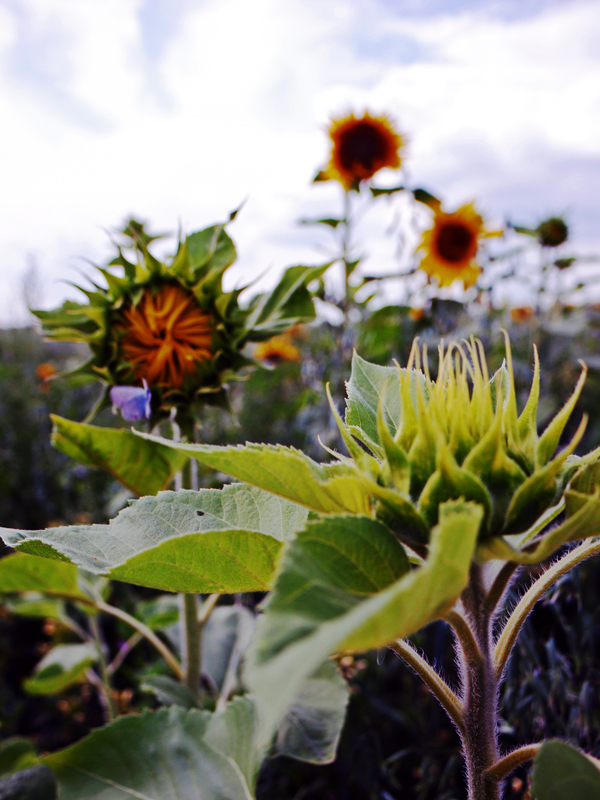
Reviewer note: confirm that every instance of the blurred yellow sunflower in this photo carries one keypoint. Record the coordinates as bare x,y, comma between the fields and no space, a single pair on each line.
361,147
277,349
451,245
166,335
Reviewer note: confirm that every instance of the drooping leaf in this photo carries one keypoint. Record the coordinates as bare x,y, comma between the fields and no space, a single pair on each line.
311,729
209,541
225,637
288,301
20,572
561,772
151,756
351,598
284,471
144,468
61,667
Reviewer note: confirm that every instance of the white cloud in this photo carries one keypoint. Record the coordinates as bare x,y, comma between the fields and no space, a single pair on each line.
235,106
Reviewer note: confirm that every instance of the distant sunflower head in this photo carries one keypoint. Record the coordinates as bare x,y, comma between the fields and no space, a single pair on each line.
450,246
277,349
165,336
552,232
361,147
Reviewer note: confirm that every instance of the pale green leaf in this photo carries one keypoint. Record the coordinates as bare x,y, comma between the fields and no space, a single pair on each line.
311,729
234,732
560,772
20,572
145,468
371,385
209,541
150,756
225,637
61,667
346,593
286,472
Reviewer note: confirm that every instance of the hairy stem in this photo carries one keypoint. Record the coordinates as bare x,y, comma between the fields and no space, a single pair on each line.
436,685
512,760
146,633
515,622
464,634
480,695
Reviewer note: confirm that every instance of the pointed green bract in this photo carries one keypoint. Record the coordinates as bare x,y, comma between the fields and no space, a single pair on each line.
145,468
213,540
316,609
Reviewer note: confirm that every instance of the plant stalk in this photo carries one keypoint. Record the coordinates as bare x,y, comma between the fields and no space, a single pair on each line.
111,705
480,695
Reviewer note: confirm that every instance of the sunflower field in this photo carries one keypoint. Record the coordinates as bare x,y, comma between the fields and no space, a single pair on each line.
308,542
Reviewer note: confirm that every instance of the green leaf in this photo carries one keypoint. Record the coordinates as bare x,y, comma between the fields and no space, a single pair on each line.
145,469
370,386
332,222
234,732
210,248
289,301
20,572
168,691
160,612
37,606
225,637
16,753
311,729
423,196
152,756
340,588
37,783
209,541
379,192
61,667
560,772
284,471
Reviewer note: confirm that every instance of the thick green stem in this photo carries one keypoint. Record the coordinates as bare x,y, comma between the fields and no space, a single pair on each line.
480,695
191,642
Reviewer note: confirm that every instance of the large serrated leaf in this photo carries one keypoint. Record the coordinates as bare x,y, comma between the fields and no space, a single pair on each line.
145,468
208,541
151,756
312,615
286,472
20,572
561,772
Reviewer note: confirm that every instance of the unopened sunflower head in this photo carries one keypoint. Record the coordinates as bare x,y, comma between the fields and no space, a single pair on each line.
458,436
170,323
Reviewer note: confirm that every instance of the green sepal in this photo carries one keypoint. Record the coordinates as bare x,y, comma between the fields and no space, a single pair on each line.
549,440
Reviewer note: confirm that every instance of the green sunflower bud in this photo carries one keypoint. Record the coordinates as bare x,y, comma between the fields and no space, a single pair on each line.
461,436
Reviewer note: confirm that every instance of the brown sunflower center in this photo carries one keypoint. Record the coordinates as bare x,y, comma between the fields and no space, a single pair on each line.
362,145
455,242
166,335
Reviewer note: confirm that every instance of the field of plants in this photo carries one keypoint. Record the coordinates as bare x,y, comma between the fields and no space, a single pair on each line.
307,543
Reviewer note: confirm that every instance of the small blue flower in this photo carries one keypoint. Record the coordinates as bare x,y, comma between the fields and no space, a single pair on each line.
133,402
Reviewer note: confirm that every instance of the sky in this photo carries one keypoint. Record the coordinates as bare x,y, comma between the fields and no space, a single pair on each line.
178,111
